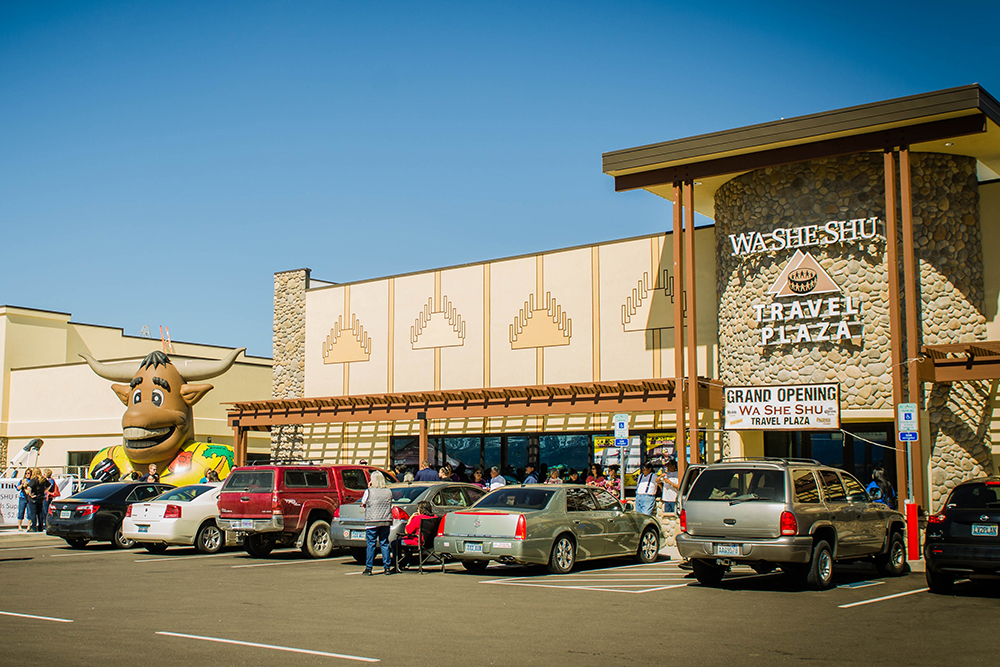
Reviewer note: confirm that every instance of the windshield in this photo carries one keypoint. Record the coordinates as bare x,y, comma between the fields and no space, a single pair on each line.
516,499
739,485
184,494
975,497
251,481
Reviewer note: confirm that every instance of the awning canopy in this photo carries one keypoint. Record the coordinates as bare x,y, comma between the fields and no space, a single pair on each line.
574,398
961,362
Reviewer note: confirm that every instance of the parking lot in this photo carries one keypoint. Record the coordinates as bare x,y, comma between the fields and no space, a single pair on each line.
102,605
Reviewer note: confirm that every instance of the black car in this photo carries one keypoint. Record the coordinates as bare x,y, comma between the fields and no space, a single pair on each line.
96,513
962,541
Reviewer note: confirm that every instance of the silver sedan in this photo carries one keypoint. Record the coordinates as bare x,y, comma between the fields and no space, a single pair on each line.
187,515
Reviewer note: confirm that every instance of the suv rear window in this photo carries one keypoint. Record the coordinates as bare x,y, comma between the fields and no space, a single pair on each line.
832,488
975,496
517,499
739,484
251,481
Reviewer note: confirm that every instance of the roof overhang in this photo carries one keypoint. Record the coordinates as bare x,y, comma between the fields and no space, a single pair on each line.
961,362
959,121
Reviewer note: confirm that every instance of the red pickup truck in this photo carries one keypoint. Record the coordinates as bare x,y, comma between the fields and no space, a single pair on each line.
284,505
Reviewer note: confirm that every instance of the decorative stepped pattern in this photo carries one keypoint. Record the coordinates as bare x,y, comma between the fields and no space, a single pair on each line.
437,328
341,348
540,327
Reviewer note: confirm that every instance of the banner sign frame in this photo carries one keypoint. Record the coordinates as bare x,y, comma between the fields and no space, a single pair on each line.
784,407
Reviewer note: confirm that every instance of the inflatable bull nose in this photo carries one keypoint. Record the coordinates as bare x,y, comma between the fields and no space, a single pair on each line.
158,425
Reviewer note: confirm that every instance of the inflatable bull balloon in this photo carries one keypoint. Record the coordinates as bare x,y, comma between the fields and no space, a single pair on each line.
158,425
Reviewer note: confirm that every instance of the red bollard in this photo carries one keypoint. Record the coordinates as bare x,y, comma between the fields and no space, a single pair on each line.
912,531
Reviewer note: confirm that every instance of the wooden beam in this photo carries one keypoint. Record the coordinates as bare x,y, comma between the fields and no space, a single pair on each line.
861,143
678,296
913,324
895,305
692,321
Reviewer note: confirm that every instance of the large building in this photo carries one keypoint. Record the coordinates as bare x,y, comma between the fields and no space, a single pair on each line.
49,392
853,251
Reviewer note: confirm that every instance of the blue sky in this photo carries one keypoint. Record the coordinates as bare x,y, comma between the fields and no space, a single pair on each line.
160,161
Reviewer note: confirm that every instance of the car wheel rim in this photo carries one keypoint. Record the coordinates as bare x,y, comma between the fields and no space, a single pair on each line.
321,539
825,566
211,539
564,554
649,546
898,554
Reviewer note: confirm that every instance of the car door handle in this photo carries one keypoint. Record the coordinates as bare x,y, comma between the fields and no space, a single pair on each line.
244,498
576,521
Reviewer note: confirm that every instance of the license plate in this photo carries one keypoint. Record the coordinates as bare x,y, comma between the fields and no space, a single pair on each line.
357,534
247,524
65,514
727,550
143,529
984,530
473,548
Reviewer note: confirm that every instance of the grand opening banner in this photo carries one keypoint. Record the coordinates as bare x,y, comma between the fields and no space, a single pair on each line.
783,407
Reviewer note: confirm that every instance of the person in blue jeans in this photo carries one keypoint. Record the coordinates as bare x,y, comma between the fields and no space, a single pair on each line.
645,490
377,503
23,499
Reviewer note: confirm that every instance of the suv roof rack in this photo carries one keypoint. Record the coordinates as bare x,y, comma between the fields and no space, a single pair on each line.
769,459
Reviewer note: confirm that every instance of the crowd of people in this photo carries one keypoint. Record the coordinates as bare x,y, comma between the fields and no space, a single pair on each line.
35,492
650,483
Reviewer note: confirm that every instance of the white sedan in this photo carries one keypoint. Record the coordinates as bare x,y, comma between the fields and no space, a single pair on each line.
186,516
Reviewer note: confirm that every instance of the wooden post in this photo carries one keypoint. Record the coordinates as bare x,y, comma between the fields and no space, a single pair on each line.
422,439
692,328
912,320
678,292
895,308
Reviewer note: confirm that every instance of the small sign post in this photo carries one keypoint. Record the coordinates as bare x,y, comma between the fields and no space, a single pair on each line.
908,427
621,442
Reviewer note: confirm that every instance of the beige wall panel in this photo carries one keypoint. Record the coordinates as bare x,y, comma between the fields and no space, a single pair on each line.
370,303
413,370
511,282
323,308
624,354
567,277
462,365
63,400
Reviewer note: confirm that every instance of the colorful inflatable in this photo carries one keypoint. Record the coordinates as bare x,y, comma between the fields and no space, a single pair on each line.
158,425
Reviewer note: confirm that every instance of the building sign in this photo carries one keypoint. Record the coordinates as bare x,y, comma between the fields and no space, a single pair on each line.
783,407
788,238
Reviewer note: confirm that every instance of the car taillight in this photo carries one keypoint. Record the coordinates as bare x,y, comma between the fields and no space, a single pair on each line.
993,483
275,503
399,514
684,521
173,512
935,518
441,525
87,509
521,532
336,512
128,511
789,526
52,509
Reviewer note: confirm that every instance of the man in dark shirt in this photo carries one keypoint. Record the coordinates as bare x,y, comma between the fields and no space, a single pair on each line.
152,475
530,476
426,473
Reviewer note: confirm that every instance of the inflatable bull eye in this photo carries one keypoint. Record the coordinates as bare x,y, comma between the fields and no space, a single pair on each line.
161,429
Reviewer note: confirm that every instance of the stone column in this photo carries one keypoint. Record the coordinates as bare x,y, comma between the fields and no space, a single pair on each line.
288,373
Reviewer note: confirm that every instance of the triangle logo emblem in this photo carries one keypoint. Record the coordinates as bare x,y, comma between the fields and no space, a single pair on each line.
801,276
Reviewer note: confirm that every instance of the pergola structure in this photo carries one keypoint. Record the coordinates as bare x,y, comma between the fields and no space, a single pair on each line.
962,121
574,398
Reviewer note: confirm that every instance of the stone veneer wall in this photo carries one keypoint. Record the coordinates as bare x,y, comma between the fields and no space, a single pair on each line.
288,375
949,252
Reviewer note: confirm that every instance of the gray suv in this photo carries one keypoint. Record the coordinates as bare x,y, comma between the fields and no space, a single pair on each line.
795,514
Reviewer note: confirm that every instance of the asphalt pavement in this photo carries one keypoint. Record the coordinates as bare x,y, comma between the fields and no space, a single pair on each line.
101,605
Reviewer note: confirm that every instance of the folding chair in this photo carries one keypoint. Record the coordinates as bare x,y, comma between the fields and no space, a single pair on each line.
424,549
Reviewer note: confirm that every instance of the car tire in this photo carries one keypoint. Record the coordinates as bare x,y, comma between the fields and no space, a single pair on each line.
649,547
119,541
257,545
563,556
318,542
819,576
154,547
475,565
359,555
77,542
893,562
939,582
707,574
209,539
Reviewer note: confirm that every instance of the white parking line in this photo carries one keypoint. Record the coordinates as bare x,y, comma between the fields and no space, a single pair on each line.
94,553
40,618
603,589
50,546
173,558
271,646
885,597
285,562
